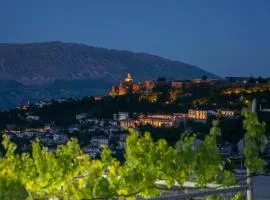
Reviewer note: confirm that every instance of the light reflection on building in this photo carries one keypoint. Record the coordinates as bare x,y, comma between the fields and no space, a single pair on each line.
127,86
129,123
226,113
197,114
156,120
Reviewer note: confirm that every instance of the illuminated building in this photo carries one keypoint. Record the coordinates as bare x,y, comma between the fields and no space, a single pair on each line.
202,81
136,88
157,120
125,87
163,120
128,86
180,117
129,123
148,86
97,98
114,91
226,113
177,84
200,115
129,78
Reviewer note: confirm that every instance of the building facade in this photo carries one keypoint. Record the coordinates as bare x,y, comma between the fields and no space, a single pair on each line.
127,86
200,115
226,113
120,116
129,123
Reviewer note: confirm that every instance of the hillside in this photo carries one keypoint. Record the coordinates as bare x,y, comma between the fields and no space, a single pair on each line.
42,62
55,69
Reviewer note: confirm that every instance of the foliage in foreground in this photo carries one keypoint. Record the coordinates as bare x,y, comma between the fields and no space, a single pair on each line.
255,141
70,174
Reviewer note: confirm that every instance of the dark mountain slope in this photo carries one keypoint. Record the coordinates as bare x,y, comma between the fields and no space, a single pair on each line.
53,69
43,62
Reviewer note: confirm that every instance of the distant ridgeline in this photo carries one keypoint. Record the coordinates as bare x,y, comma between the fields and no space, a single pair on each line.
51,70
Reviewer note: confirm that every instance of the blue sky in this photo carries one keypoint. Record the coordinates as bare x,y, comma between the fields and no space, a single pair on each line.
226,37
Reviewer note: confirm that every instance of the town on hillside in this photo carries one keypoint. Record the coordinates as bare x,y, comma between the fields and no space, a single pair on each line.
165,108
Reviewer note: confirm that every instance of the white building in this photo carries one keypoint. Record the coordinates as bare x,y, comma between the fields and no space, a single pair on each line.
92,150
60,138
226,113
43,103
81,116
33,117
121,144
129,123
101,123
73,128
100,141
109,131
120,116
113,122
30,133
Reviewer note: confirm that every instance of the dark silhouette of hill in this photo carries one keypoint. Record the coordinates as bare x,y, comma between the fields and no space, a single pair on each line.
43,62
56,69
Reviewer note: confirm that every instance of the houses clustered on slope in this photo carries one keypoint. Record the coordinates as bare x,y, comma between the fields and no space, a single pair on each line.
112,132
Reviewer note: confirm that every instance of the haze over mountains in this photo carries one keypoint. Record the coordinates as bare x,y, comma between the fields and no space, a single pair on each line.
54,69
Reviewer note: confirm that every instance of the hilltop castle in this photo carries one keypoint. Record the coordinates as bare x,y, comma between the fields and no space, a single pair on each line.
128,86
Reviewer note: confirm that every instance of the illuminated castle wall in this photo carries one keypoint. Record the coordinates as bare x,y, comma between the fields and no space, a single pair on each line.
128,86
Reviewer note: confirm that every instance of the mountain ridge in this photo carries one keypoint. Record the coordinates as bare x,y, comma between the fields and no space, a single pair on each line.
43,62
98,47
56,69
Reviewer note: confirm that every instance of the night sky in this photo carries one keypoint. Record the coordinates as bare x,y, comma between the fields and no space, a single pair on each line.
226,37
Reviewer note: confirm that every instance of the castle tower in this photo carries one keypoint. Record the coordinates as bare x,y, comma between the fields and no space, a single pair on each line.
129,78
114,91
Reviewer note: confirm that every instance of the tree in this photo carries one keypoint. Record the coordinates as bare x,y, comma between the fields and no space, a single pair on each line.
204,77
12,188
161,79
251,80
261,80
255,141
70,174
